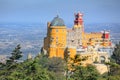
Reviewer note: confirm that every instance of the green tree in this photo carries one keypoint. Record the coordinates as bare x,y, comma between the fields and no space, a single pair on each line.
115,64
85,73
75,61
116,53
55,64
27,70
16,54
114,71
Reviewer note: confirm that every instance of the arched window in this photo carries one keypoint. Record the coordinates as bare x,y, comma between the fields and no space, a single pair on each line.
102,59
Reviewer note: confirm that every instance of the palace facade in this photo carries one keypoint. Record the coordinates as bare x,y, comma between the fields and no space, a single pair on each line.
60,40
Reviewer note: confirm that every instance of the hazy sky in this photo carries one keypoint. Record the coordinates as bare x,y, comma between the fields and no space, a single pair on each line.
41,11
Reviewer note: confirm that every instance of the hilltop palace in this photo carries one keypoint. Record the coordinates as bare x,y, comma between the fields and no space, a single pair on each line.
95,45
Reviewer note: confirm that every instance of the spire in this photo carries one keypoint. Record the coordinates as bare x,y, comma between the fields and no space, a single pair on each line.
57,16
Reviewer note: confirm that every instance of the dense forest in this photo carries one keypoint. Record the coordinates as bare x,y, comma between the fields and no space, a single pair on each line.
44,68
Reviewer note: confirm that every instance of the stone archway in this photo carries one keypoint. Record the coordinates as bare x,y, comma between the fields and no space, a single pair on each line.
102,59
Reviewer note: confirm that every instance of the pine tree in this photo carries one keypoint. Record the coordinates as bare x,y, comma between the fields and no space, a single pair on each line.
16,54
116,53
85,73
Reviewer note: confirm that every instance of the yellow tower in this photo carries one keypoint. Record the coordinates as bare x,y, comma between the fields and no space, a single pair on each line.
55,42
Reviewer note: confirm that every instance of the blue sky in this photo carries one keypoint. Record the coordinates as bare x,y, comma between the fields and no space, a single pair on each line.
41,11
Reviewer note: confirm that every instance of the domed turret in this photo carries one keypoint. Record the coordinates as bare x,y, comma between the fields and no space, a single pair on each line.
57,22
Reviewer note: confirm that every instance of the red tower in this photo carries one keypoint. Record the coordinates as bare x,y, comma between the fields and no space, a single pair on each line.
78,19
106,34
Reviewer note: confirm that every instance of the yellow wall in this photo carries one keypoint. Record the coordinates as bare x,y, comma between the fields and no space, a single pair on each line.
94,39
56,41
72,52
93,56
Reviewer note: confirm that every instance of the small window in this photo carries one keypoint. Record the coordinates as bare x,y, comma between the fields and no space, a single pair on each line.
72,40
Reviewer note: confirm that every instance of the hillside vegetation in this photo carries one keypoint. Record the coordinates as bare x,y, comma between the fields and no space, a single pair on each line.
44,68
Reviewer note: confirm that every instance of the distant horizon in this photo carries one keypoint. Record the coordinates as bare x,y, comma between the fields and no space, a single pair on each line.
34,23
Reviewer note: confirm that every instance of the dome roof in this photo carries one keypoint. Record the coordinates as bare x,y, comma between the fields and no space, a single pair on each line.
57,22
